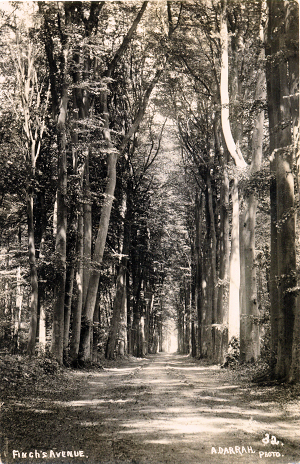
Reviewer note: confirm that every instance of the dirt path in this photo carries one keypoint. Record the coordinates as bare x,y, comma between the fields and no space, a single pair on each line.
163,409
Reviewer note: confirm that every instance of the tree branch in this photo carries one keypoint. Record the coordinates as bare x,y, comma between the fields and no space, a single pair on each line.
141,111
233,149
126,40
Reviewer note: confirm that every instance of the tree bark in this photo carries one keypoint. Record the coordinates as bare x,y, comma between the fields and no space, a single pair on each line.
33,275
87,229
122,348
234,285
76,319
292,31
215,329
249,324
30,90
61,235
187,312
226,128
120,298
249,343
87,319
286,234
68,303
117,307
207,286
286,255
199,277
272,74
282,160
223,288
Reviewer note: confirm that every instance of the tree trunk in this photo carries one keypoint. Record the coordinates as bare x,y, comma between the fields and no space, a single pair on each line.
42,326
198,251
187,311
123,323
18,310
96,326
286,255
160,332
282,161
216,331
76,317
87,229
207,348
249,345
117,308
81,103
223,288
143,329
234,283
33,276
249,324
61,235
286,251
292,31
193,340
68,303
41,219
272,74
224,93
87,319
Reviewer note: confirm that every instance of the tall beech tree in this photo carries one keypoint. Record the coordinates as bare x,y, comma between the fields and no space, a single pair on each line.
61,22
249,334
60,98
34,102
113,152
282,87
85,86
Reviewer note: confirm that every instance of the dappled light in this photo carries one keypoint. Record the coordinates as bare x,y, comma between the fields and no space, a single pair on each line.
171,404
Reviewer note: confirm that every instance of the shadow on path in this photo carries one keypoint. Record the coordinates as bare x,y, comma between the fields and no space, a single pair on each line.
162,409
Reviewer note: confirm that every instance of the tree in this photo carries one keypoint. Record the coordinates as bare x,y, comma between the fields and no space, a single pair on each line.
113,152
249,313
281,85
30,105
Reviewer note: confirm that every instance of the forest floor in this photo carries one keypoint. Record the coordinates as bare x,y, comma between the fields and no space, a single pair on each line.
165,408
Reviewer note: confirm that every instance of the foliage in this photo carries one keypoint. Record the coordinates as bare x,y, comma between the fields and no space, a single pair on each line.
20,374
172,169
48,363
233,354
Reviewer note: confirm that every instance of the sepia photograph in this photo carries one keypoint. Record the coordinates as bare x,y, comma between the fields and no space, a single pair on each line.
149,232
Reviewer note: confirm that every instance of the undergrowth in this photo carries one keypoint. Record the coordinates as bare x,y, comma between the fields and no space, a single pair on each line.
24,376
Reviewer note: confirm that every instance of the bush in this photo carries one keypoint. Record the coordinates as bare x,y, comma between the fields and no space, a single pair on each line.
233,355
48,363
49,366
